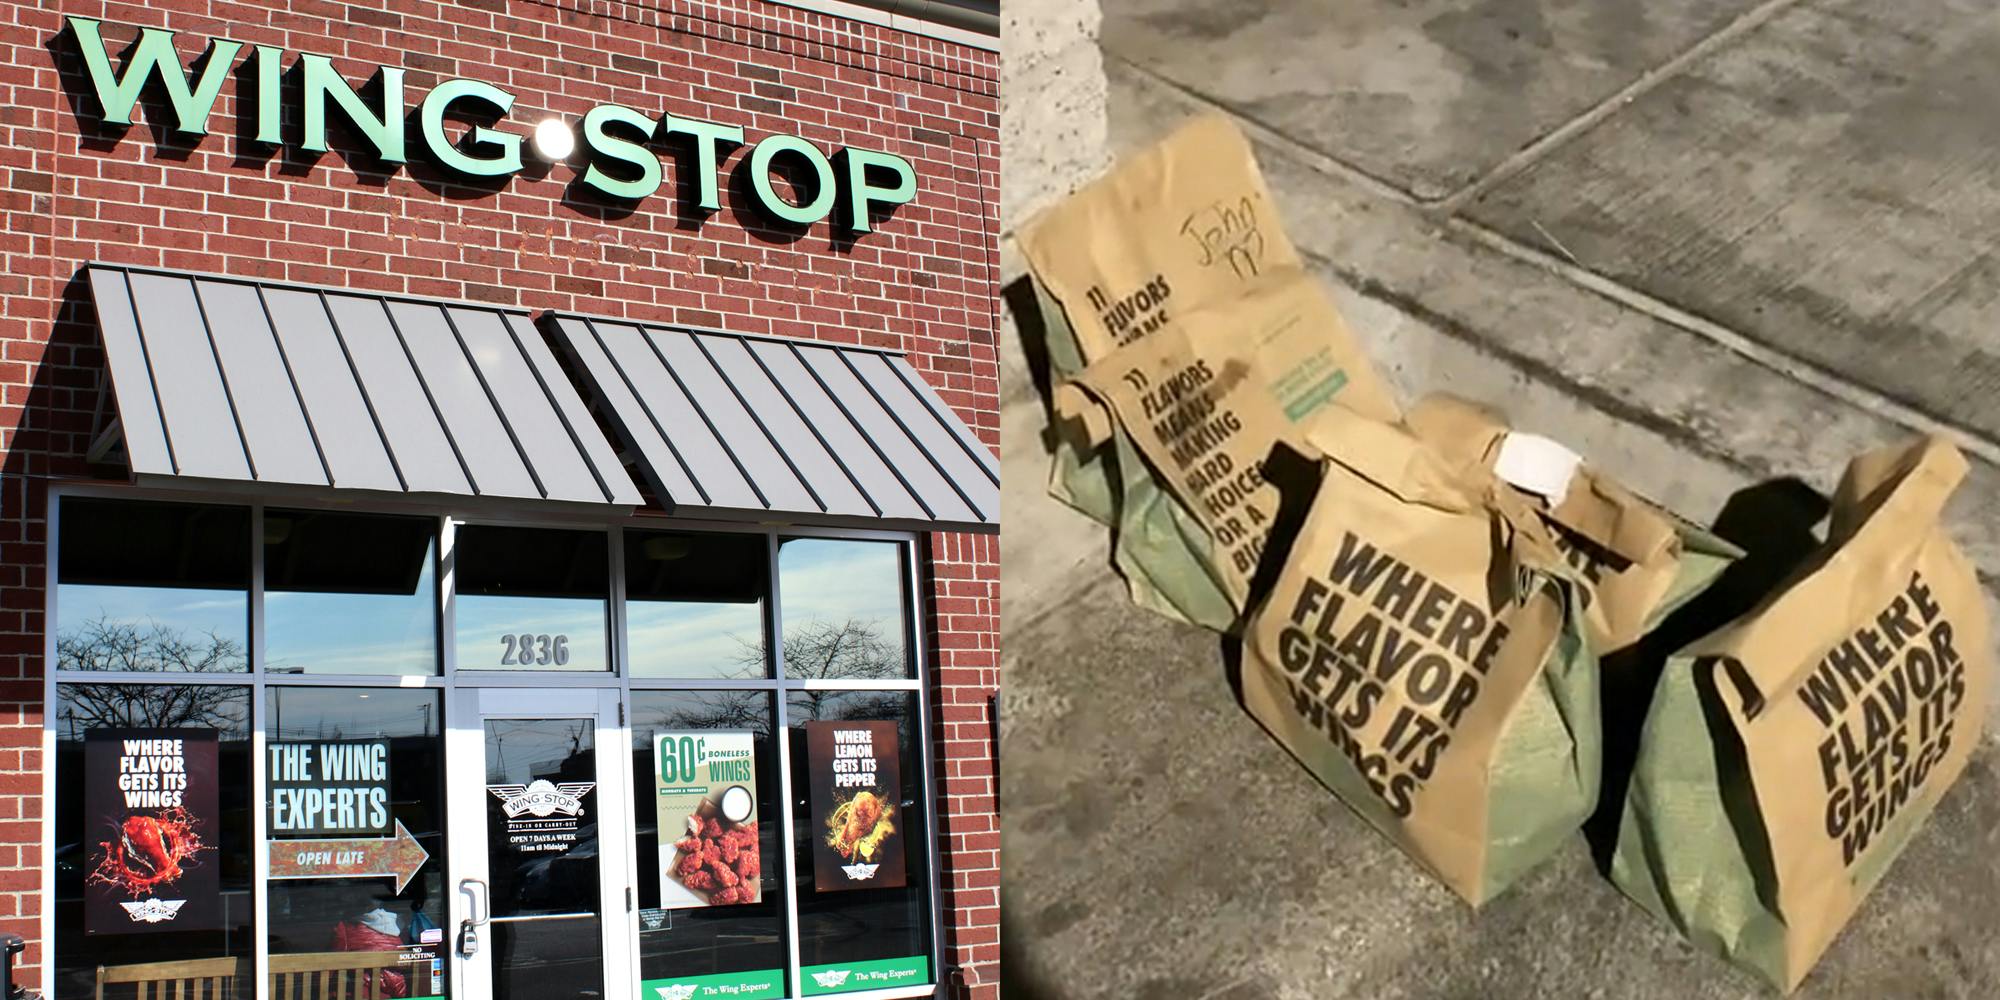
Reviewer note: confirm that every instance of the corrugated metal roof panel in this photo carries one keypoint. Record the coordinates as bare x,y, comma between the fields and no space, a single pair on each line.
727,425
229,379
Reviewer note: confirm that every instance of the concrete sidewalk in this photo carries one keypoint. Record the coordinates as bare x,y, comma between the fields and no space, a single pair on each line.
1707,244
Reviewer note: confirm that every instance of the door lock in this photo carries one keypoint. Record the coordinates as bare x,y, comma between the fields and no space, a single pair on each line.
476,917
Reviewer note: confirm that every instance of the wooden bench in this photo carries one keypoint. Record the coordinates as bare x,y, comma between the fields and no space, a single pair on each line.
191,979
322,975
344,975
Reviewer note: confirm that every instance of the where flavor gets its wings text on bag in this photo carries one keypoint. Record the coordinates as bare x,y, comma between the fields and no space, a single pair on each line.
1789,757
1423,653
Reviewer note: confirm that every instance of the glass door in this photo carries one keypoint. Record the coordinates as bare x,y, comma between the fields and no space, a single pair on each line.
539,796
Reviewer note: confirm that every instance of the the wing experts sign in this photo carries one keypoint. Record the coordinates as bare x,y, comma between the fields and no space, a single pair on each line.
850,184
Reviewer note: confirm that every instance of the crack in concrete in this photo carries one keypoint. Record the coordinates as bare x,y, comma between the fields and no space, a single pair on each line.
1902,412
1559,136
1898,411
1320,160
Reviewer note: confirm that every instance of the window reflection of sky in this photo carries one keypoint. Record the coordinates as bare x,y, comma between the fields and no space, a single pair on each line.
689,639
319,633
204,620
482,621
223,612
835,581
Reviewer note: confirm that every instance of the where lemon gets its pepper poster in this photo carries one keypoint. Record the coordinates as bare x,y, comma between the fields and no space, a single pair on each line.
856,805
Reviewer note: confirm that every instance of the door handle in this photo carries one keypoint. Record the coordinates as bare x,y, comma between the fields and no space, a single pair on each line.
468,929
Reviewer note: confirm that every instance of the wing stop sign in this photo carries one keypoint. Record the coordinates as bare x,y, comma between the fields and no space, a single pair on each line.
850,185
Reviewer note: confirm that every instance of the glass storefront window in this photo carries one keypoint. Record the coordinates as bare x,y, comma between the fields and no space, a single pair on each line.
531,599
858,820
157,587
707,758
349,593
354,799
154,857
694,604
844,609
152,849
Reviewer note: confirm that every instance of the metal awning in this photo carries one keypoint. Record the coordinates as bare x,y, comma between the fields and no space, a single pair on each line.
727,425
224,380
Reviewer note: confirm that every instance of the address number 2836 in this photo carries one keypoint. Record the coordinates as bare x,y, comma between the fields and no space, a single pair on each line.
530,650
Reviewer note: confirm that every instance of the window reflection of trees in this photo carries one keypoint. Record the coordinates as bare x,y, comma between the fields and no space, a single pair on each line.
856,706
825,650
84,707
105,644
739,710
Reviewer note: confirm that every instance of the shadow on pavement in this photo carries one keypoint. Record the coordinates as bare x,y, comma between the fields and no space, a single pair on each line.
1772,522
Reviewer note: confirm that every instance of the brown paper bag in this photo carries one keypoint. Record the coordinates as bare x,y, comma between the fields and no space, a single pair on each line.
1788,758
1206,397
1640,562
1423,654
1178,226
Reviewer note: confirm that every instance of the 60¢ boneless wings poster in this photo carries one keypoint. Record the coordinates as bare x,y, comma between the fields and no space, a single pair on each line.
151,830
706,793
857,843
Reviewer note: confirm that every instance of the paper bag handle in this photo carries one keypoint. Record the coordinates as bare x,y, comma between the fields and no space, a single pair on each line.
1467,434
1411,464
1614,518
1391,457
1885,496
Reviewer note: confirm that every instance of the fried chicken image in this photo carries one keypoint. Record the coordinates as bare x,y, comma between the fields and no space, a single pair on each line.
148,852
719,858
861,817
859,825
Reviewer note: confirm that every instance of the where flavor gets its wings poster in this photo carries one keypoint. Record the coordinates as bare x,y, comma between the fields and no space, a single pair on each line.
151,826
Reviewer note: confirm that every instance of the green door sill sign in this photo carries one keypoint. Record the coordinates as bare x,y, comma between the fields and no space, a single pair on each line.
850,977
768,984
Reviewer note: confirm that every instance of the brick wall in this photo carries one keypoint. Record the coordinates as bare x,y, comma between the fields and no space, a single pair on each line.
924,281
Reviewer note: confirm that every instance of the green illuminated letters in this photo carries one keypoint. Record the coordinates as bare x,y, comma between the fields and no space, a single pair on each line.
774,203
860,193
626,150
706,136
154,55
384,131
857,181
431,121
270,78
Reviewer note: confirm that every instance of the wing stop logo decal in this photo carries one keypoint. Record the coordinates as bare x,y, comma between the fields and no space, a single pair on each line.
850,185
541,798
542,815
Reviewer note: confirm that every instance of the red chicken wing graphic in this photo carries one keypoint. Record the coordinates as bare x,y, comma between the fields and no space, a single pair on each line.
148,851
